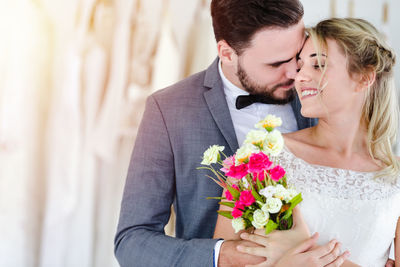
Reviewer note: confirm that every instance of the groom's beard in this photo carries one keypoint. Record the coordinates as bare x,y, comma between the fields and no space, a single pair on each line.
268,93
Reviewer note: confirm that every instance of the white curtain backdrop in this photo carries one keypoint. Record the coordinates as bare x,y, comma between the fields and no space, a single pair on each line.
74,76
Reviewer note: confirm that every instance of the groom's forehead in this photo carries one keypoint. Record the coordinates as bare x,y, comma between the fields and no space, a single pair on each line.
276,44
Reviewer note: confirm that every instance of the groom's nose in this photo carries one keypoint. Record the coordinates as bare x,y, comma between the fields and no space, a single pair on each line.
291,69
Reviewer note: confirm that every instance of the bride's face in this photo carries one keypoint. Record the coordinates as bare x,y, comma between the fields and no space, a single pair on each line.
328,91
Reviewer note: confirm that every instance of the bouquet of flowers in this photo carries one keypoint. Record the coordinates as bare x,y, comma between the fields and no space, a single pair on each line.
256,185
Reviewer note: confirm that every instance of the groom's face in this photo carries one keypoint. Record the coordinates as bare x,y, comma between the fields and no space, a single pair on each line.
268,65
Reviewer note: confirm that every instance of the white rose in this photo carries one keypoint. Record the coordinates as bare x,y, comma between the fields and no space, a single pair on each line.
255,137
260,218
272,205
256,225
291,193
273,143
268,191
269,123
281,192
238,224
211,155
244,152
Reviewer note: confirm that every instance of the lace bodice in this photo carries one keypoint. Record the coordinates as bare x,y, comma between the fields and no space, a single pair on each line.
357,209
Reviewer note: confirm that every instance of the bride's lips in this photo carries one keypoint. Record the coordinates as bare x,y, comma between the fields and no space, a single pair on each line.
306,92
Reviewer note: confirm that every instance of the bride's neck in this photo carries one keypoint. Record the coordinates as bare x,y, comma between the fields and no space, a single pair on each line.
341,135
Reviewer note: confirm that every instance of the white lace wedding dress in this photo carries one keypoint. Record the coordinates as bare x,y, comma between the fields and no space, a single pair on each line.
359,211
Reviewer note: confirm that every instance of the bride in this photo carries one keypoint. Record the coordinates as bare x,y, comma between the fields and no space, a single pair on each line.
344,166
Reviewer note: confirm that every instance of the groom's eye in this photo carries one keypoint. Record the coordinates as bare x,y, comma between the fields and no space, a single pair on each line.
279,63
276,65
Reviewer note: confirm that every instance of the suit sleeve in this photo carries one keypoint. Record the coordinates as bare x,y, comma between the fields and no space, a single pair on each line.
148,194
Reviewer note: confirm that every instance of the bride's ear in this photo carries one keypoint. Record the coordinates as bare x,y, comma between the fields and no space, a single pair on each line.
366,80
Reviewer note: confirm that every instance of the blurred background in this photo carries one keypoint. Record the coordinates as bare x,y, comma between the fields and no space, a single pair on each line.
74,76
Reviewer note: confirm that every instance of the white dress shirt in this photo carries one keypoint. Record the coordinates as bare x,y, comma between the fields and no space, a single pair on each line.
244,120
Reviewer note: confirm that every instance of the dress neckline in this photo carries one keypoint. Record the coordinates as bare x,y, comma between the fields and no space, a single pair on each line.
324,166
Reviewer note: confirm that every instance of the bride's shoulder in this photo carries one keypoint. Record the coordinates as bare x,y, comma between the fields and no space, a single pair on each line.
297,140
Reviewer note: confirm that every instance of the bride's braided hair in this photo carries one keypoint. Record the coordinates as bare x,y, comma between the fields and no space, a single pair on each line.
367,52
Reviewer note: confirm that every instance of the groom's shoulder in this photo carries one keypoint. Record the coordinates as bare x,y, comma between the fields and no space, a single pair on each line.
192,86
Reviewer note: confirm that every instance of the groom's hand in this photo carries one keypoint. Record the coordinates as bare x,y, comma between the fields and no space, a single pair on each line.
230,256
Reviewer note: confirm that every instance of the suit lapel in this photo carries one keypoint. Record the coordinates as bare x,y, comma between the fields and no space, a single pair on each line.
216,102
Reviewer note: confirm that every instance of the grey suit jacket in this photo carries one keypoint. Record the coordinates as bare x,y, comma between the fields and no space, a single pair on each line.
179,124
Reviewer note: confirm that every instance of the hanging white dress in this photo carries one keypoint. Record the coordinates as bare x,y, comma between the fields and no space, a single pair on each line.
25,52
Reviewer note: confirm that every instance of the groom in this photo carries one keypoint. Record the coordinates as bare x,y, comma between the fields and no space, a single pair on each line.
258,41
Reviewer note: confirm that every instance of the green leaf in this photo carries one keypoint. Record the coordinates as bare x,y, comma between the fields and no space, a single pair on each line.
228,204
235,193
283,181
256,195
270,226
259,184
225,213
216,198
216,181
247,213
293,202
204,168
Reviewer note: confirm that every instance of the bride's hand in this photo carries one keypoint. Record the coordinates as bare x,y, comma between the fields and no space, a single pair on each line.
307,253
277,243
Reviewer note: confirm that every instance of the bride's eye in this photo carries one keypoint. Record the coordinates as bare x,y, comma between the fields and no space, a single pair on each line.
317,67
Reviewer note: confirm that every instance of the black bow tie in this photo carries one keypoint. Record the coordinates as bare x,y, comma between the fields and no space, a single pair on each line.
243,101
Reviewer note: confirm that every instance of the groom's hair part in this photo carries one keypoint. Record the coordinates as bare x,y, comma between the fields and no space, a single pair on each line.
236,21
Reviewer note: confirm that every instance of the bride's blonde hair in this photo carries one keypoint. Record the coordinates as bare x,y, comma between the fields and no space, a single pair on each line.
366,52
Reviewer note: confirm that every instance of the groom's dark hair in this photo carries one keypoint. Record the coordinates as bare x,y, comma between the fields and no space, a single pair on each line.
236,21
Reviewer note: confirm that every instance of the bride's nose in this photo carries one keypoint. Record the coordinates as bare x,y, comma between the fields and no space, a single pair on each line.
302,75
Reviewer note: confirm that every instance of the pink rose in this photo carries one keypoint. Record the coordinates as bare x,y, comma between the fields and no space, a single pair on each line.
228,195
238,209
247,198
237,172
239,205
236,213
227,164
259,162
277,173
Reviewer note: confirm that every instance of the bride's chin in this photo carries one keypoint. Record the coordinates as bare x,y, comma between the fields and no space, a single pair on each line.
307,113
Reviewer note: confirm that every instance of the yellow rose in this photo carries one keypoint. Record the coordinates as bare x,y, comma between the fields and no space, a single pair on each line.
211,155
273,143
269,123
